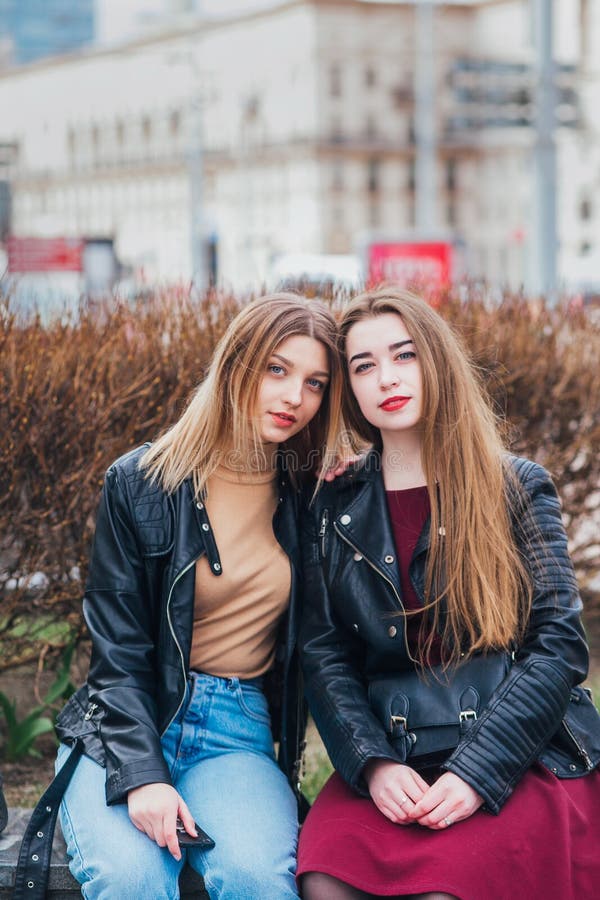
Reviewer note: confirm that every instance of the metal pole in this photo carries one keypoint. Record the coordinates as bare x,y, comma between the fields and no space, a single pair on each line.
424,118
196,171
544,154
196,178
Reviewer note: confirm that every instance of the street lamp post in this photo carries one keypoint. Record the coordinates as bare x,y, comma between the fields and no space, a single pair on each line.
424,119
544,154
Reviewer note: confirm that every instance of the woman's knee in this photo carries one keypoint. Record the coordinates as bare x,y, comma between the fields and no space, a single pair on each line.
257,879
126,881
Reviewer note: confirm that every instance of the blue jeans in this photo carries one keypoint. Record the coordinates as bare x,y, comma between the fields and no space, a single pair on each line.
220,753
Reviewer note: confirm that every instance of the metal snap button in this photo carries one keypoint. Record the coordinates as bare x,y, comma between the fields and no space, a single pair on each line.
355,626
30,884
217,567
205,527
48,809
345,519
40,834
392,631
199,505
357,557
35,857
573,767
389,558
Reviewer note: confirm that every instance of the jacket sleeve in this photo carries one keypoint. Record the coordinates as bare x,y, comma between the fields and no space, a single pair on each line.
331,657
122,675
527,709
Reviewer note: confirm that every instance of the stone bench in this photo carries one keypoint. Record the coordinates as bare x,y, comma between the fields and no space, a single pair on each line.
62,885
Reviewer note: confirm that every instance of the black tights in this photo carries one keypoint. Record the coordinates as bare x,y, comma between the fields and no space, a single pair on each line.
317,886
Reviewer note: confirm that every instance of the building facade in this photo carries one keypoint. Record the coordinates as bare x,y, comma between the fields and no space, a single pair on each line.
292,129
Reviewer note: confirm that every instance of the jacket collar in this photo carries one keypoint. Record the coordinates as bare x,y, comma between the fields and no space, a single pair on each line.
364,521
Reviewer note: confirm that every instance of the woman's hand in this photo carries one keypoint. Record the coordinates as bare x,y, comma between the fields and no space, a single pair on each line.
394,789
340,467
448,800
154,809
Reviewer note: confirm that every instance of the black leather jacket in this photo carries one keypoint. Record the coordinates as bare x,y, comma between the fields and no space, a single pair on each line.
350,635
138,608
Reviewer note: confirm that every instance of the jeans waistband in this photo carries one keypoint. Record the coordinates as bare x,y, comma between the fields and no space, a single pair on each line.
232,681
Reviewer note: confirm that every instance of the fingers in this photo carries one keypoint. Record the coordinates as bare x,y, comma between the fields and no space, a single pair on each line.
187,818
394,789
448,800
153,809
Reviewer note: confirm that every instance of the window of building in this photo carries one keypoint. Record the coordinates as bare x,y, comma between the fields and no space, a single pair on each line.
335,80
451,174
585,209
374,214
337,176
585,248
337,134
146,128
373,172
120,131
174,122
371,128
370,77
411,175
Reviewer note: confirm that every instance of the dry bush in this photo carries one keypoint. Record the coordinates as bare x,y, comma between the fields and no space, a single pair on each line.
77,394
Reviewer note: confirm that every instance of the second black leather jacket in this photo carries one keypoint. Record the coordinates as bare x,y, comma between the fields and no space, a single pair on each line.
352,633
138,607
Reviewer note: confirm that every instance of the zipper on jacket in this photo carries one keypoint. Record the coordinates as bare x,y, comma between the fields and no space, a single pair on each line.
581,750
177,644
323,532
92,707
385,578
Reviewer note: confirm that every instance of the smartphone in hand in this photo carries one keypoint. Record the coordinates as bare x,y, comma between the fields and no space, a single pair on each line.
203,840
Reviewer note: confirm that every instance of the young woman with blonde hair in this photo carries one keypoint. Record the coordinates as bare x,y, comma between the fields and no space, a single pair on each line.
441,641
192,608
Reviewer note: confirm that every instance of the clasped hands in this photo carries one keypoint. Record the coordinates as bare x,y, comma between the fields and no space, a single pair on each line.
405,798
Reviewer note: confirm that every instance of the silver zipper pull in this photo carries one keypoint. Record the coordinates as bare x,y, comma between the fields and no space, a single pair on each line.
90,711
323,531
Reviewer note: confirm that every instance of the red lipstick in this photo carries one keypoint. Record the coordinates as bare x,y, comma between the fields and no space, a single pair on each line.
393,404
284,420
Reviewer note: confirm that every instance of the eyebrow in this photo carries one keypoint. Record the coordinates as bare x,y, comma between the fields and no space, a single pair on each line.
391,348
288,362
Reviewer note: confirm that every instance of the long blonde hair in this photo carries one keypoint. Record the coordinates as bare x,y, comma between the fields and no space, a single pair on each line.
219,416
473,556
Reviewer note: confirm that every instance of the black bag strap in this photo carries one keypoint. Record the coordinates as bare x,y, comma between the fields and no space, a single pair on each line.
3,808
33,866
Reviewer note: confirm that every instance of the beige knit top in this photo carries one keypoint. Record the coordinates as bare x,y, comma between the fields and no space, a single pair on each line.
236,614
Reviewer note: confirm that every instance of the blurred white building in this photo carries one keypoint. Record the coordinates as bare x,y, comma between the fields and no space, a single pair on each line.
292,127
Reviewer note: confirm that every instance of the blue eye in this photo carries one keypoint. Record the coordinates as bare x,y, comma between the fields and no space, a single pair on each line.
316,383
406,355
276,369
362,367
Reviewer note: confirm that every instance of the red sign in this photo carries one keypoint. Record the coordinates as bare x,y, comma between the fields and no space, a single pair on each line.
403,262
45,255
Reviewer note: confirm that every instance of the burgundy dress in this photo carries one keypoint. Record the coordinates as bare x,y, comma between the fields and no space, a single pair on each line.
544,844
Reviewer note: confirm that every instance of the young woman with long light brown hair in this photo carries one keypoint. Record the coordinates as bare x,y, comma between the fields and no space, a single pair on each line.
192,608
437,573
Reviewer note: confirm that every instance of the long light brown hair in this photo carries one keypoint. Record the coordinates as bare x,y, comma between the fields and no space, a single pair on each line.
473,556
218,423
